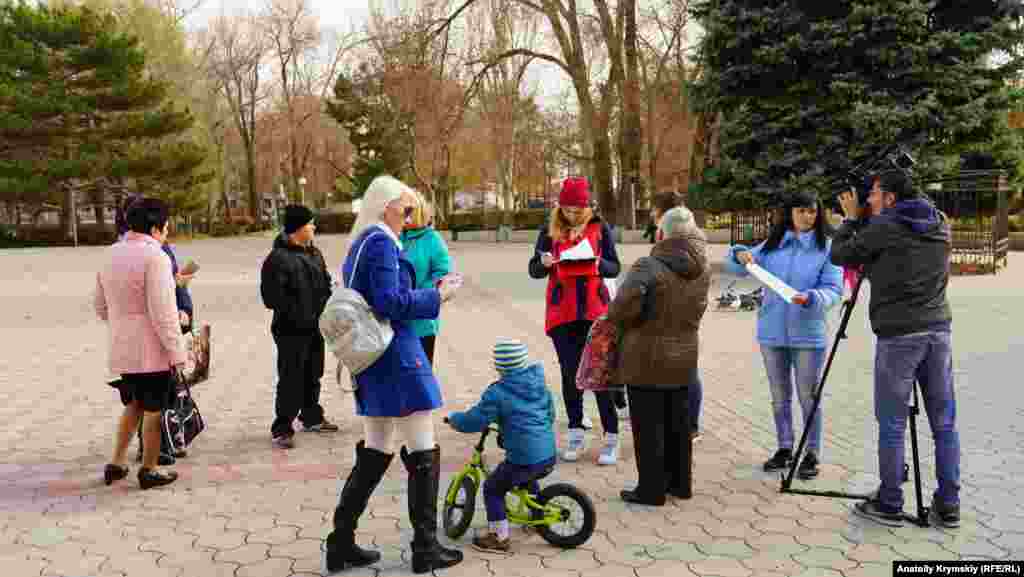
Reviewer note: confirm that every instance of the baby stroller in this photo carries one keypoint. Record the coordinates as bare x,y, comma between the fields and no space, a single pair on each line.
733,301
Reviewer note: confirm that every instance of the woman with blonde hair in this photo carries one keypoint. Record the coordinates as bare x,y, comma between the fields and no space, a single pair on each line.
576,296
398,391
428,253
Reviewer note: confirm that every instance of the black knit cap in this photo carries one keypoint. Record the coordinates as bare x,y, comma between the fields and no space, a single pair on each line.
296,216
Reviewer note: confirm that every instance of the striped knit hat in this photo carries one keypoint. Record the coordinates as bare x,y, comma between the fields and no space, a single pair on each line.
510,355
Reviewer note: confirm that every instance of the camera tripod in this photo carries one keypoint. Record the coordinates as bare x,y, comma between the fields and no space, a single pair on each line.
921,519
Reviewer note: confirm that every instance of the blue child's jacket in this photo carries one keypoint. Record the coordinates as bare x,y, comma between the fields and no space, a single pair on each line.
522,406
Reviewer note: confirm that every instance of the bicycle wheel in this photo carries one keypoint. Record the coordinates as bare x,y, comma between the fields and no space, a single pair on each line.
578,518
458,515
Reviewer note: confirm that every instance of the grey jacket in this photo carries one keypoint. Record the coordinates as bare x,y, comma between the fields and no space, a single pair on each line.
905,254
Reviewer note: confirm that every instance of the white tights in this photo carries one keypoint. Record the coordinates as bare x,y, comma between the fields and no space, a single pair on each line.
417,429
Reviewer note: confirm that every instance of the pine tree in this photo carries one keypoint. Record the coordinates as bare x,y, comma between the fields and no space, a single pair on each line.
77,107
809,88
377,129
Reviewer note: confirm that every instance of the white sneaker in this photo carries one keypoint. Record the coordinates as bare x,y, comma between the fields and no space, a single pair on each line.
574,445
610,452
587,423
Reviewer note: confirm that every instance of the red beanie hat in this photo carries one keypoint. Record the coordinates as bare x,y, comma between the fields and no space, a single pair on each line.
575,192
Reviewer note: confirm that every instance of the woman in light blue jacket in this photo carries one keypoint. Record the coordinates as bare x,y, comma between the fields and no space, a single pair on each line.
793,335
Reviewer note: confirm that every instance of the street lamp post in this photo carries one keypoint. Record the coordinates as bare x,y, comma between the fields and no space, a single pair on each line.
302,189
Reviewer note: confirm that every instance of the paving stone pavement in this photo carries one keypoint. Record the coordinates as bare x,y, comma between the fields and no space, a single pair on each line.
243,509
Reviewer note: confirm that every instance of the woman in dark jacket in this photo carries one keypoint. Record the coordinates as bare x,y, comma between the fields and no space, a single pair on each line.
576,296
398,391
658,309
664,202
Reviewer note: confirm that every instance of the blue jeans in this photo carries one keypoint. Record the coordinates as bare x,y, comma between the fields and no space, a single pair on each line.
508,476
899,361
695,394
782,363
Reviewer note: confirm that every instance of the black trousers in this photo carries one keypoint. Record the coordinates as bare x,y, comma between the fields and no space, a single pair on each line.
300,365
569,340
661,441
428,347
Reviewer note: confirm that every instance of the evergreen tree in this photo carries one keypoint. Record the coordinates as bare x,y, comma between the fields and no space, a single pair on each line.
378,130
77,107
809,88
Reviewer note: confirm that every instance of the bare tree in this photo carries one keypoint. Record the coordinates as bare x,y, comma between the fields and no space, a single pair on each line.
665,74
235,59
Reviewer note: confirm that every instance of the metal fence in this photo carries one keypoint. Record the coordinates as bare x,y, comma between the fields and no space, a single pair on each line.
975,201
750,227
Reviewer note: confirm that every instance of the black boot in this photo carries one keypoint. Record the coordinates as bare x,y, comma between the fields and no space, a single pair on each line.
341,550
424,482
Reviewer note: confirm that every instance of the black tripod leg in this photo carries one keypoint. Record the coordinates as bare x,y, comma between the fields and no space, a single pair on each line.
787,479
922,512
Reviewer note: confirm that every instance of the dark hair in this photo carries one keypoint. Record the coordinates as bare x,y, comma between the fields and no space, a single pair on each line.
897,182
822,230
665,201
146,213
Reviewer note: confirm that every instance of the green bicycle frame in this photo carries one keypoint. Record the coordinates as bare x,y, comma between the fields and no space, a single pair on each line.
525,502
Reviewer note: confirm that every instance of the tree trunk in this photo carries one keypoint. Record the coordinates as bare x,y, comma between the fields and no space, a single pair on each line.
631,127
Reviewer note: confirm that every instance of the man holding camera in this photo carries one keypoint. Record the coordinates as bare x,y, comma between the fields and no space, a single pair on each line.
903,242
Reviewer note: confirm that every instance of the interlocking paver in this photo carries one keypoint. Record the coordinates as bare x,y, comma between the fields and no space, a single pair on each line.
720,567
244,555
266,568
237,499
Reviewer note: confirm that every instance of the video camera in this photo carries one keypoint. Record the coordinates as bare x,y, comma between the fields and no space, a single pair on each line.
893,157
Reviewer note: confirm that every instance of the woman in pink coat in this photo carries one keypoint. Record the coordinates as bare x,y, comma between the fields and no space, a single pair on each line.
135,296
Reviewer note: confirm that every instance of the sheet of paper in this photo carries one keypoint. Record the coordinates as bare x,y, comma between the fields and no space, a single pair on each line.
772,282
582,251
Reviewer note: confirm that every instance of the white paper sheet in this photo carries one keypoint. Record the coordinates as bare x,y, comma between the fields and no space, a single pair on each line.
772,282
582,251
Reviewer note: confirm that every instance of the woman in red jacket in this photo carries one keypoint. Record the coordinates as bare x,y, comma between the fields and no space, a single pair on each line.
576,296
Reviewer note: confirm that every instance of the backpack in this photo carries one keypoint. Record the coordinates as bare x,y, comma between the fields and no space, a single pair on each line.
351,328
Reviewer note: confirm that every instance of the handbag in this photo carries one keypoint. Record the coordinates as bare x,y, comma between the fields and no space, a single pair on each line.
600,357
351,328
182,422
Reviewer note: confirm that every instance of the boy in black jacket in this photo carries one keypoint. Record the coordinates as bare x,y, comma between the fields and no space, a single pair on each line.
295,284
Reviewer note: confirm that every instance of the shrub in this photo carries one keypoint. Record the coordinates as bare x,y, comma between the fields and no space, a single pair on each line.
530,219
335,222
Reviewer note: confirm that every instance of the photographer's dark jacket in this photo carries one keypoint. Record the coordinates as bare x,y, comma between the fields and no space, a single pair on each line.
905,253
295,284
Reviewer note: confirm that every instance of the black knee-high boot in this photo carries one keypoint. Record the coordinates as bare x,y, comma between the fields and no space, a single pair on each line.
342,551
424,469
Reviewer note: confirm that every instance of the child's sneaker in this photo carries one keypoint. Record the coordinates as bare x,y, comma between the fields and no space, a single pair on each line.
574,445
491,543
610,452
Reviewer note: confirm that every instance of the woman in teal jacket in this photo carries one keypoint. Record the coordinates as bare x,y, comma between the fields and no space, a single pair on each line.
428,253
793,335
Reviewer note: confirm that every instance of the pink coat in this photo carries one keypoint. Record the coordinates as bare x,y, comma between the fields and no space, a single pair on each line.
135,295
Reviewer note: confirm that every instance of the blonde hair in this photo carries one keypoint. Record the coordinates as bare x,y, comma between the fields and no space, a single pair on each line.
422,212
560,225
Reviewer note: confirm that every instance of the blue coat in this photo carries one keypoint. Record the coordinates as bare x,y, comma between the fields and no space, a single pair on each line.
401,381
428,254
181,294
802,265
521,404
